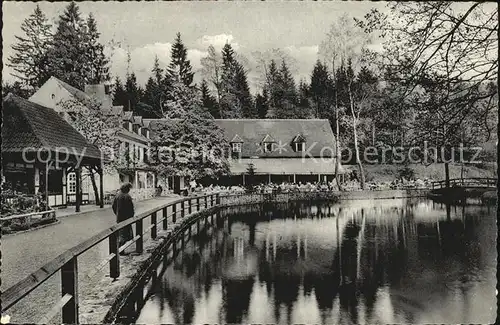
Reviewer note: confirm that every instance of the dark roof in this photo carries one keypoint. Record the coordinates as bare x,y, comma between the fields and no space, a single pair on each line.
299,138
127,115
268,139
137,120
133,136
317,132
236,139
79,94
26,124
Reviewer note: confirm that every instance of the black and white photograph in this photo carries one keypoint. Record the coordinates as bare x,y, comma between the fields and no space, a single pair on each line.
249,162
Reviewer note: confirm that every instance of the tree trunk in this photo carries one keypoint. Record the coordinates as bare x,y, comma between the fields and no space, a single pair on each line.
337,150
337,132
447,174
373,134
462,173
94,186
356,148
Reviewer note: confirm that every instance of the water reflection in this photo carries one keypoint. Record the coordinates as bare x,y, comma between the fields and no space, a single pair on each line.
393,261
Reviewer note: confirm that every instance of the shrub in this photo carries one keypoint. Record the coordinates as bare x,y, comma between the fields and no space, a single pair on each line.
407,172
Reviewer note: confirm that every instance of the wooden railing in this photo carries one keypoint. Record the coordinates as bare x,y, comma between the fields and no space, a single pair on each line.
67,262
467,182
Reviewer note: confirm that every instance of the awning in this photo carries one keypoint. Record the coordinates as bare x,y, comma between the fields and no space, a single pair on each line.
282,166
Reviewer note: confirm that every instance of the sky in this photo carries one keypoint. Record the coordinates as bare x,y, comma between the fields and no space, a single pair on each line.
147,29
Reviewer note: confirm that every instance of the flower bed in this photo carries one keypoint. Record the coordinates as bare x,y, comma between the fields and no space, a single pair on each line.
26,221
22,212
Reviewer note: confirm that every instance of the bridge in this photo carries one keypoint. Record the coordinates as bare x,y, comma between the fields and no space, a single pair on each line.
481,183
162,217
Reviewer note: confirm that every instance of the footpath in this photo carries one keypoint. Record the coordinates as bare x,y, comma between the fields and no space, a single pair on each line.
26,252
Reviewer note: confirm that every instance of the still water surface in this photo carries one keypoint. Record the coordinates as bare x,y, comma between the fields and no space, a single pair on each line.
381,261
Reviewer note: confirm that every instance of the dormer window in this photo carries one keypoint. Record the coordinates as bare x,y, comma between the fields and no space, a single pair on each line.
300,146
53,96
268,144
236,144
268,147
299,143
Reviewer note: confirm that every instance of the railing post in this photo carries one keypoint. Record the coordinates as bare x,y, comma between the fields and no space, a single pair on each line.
198,204
154,229
69,285
174,213
165,216
139,245
190,206
183,209
114,264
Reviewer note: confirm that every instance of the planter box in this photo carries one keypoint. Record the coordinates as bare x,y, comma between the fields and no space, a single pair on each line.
26,221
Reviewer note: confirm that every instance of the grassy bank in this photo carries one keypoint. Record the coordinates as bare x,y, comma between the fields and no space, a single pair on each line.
388,173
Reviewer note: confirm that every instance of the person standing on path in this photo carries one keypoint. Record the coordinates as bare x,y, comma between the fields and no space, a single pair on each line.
123,207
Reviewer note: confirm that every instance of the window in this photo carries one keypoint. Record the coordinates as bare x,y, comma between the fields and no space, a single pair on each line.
237,146
53,96
300,146
71,183
268,146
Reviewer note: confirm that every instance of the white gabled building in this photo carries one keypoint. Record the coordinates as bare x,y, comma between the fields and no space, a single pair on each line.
134,139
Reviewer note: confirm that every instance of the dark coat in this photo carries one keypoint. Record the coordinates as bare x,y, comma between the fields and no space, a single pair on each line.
123,207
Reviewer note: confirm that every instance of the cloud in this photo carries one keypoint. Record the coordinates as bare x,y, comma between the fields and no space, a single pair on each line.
142,60
218,41
301,59
305,57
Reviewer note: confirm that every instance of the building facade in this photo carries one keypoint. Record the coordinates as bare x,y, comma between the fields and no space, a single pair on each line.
133,138
275,151
34,155
280,150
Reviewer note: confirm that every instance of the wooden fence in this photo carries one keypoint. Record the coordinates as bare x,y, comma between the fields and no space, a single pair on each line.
67,262
467,182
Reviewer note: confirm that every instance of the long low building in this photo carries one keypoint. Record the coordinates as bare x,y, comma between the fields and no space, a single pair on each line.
280,150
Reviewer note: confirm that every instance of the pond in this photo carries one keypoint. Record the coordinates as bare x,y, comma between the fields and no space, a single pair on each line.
354,262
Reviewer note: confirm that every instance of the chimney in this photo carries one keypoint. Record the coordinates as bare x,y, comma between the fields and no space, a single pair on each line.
96,91
99,92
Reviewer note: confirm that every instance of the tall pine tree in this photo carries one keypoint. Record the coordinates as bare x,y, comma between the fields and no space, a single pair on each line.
261,104
321,91
97,69
30,61
236,100
134,93
120,96
284,97
156,90
208,101
67,56
180,67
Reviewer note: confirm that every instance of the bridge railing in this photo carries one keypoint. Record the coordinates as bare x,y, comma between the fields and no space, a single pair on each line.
67,262
467,182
